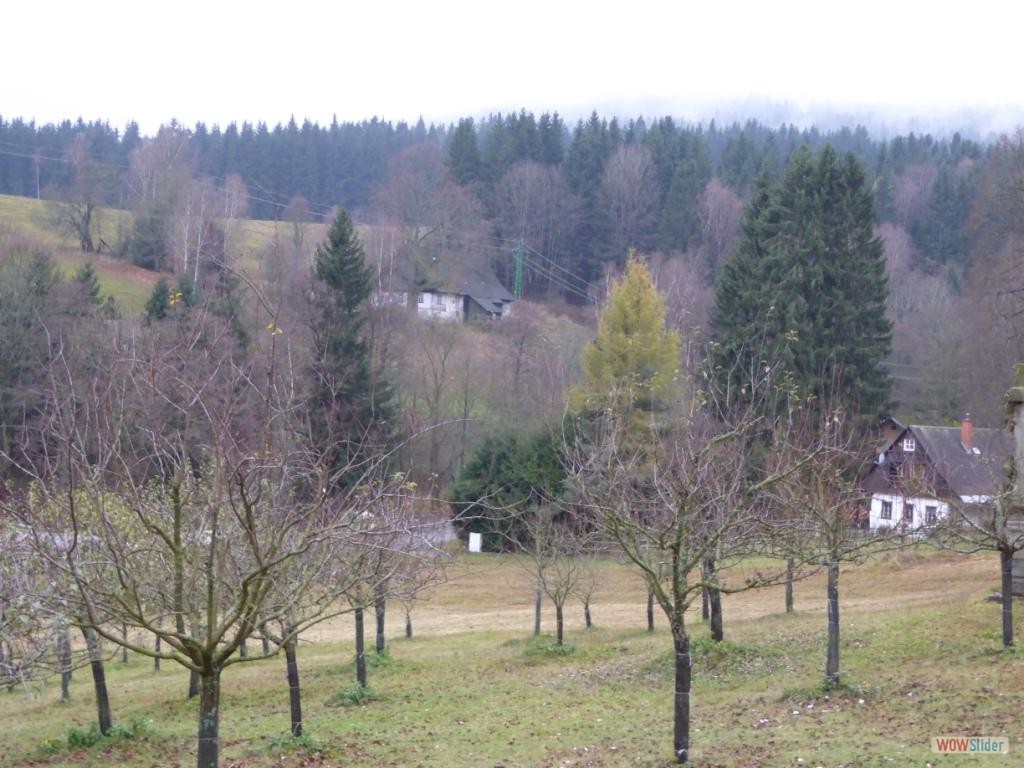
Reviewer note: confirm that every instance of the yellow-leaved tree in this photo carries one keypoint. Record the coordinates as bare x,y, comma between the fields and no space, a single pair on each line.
632,367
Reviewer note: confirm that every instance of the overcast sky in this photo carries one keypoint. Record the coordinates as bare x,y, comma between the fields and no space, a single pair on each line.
228,61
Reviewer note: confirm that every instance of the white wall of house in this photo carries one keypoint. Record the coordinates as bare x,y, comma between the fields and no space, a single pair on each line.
922,505
440,306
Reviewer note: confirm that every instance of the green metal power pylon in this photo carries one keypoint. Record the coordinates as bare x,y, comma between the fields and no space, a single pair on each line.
518,288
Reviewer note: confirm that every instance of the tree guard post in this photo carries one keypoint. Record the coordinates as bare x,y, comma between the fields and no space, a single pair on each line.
1015,471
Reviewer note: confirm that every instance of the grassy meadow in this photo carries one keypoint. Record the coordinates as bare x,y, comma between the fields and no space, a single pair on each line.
921,652
128,284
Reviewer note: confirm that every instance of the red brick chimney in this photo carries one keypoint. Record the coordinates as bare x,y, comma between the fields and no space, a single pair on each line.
967,433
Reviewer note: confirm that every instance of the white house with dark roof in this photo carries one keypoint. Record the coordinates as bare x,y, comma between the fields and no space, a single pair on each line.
458,292
922,470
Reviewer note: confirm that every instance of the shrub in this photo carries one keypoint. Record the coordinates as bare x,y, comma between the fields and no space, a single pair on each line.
288,743
353,696
545,646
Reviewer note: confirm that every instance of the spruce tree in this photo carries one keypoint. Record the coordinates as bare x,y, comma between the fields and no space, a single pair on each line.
350,403
592,144
464,154
805,291
938,232
159,302
86,277
680,223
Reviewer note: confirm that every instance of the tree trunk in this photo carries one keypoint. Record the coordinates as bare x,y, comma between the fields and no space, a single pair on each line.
156,647
536,613
294,691
559,624
715,601
1006,564
408,624
789,585
710,576
379,608
586,614
705,607
99,680
266,643
832,660
650,610
243,649
681,740
124,648
193,677
360,650
64,650
209,721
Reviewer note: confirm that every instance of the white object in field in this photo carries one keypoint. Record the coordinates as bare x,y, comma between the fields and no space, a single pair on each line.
475,542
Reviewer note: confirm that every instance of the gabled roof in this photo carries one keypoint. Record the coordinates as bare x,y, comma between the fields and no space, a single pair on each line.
451,275
974,473
478,282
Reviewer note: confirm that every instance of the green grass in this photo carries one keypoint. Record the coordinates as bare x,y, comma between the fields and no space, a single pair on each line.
914,666
128,284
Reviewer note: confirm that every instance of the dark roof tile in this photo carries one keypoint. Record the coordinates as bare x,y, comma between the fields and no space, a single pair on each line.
978,472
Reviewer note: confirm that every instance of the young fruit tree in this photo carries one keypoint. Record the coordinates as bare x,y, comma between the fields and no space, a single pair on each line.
818,506
558,545
685,495
392,556
35,635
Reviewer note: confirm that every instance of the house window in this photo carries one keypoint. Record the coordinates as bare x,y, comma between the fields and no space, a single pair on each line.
908,512
931,515
909,445
423,298
887,510
895,469
438,300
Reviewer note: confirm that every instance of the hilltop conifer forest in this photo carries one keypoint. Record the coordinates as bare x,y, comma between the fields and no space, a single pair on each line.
262,386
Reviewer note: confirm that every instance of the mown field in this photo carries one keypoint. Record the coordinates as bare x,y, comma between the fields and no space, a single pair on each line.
921,651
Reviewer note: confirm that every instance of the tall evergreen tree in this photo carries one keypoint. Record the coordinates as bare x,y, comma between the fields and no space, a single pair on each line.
592,144
680,224
464,154
938,232
806,288
350,404
551,137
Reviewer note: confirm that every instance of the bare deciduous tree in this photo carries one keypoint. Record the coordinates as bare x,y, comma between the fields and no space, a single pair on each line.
76,208
629,193
720,211
822,503
534,203
682,497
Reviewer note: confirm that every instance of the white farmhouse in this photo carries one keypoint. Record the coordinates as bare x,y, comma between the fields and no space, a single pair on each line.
457,292
922,470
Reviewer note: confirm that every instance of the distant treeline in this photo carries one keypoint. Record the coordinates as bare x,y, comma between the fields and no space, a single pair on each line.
652,199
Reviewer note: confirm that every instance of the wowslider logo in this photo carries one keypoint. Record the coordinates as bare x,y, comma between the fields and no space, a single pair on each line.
971,745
